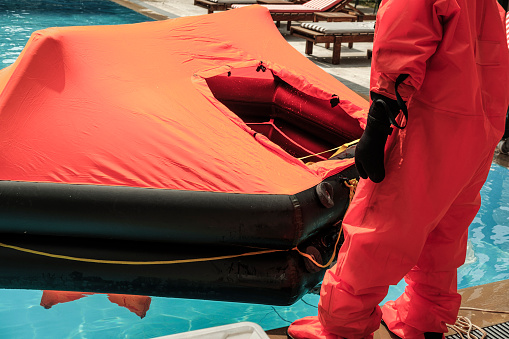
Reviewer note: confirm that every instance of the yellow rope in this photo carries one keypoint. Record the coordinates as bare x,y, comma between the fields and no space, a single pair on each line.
333,255
163,262
352,185
338,150
312,155
124,262
343,147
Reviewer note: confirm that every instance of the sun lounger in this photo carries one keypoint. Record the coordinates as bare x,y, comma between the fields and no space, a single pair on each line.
335,33
220,5
223,5
301,12
361,15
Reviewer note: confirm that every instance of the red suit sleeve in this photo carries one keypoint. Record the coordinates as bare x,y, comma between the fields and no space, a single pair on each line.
407,35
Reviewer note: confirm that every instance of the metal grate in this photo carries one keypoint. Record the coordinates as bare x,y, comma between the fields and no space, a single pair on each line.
499,331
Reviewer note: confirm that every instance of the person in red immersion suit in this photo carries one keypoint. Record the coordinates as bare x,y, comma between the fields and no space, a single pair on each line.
422,174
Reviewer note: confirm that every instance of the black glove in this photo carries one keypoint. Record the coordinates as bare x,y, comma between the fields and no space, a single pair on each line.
369,153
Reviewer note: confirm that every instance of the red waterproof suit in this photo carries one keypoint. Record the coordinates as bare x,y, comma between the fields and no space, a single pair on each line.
414,223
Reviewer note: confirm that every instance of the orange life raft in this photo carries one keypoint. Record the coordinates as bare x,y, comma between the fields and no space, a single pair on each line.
126,148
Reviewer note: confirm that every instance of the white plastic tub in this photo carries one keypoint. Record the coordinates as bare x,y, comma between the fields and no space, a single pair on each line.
242,330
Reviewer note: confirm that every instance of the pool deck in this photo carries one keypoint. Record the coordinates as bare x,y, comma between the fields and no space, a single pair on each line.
354,72
494,296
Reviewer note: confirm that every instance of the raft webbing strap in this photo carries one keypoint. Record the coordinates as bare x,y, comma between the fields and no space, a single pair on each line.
401,103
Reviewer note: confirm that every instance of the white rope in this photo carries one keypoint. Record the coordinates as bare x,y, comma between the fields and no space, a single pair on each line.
464,326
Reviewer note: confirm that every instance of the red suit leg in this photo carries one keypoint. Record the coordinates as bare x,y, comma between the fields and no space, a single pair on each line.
418,216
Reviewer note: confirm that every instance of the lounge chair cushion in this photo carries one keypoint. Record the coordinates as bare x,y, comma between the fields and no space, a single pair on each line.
283,8
341,27
321,5
308,7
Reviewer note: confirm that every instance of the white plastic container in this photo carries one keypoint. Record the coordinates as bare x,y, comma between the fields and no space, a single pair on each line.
242,330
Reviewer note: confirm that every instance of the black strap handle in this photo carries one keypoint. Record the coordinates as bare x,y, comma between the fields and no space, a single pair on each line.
401,103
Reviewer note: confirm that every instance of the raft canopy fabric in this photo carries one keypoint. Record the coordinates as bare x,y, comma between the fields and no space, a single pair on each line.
179,143
129,105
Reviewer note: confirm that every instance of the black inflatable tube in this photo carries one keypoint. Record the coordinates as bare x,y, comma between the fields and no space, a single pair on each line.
129,213
278,278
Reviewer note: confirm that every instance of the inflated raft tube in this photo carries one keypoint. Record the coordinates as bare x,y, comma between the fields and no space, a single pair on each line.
192,217
275,278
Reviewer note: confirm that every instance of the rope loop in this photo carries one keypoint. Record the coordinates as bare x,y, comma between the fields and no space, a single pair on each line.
352,185
333,257
464,326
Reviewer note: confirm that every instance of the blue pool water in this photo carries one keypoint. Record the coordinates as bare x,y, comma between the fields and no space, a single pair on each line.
19,18
95,316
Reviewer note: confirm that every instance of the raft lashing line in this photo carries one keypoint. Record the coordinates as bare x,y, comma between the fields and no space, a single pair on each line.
351,184
337,150
125,262
171,262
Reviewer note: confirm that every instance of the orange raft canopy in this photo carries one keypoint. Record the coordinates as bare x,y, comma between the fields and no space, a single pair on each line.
167,140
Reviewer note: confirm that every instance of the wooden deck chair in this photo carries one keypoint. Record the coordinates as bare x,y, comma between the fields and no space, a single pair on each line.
223,5
334,33
301,12
220,5
361,16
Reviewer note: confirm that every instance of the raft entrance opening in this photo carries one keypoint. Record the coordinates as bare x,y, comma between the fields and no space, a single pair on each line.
299,123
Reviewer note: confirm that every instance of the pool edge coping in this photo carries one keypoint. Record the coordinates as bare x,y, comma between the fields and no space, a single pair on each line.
146,9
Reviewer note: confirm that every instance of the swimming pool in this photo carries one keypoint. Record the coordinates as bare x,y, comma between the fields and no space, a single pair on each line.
21,316
19,18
